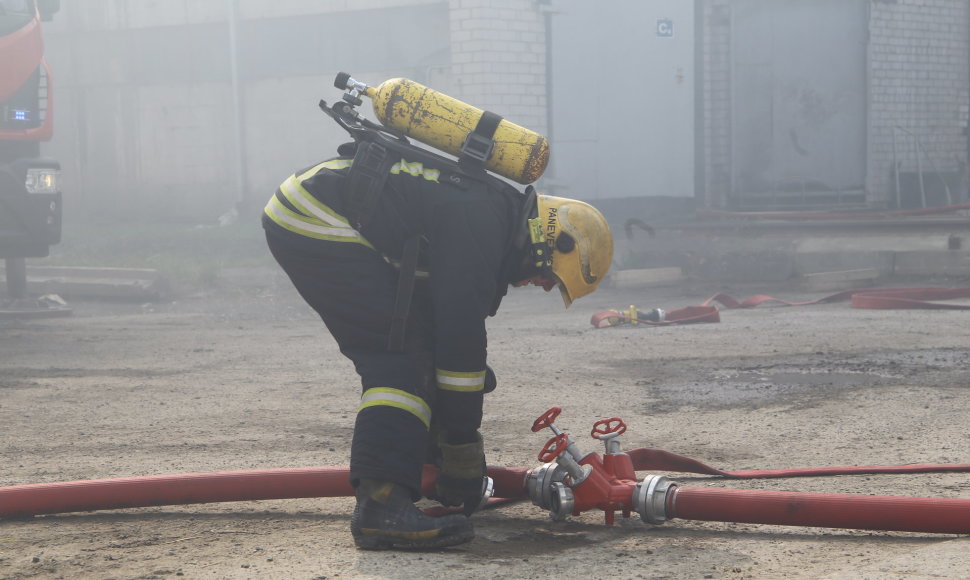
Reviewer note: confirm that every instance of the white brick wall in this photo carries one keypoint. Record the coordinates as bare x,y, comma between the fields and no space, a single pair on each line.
919,89
498,51
131,14
919,69
494,59
918,84
715,51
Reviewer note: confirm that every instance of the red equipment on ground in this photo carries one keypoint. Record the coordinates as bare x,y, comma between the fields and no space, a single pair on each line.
568,484
918,297
578,483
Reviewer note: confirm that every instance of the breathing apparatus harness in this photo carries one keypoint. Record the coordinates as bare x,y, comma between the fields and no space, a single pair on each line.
376,148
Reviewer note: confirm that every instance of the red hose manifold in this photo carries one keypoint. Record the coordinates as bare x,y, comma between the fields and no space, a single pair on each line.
576,483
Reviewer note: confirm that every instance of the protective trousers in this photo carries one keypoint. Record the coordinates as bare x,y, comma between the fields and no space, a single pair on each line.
353,289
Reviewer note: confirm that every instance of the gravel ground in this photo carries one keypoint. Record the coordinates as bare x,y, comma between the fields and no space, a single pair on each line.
247,378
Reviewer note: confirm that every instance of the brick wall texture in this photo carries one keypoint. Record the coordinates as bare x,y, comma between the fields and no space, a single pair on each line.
498,55
918,65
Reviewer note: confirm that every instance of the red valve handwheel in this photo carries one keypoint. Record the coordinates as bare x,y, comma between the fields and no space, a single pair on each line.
608,426
546,419
553,447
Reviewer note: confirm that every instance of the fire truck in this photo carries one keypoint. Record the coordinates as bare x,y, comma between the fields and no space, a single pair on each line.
30,197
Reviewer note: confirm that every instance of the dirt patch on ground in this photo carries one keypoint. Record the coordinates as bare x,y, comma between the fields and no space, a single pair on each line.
248,378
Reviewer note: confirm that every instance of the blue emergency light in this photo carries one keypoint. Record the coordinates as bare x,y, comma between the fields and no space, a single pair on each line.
22,115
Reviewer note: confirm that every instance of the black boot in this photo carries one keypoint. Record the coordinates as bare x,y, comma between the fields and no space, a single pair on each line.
385,518
461,476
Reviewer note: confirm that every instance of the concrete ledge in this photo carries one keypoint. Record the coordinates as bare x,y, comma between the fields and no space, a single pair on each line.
870,242
820,262
841,280
647,277
121,283
929,263
763,266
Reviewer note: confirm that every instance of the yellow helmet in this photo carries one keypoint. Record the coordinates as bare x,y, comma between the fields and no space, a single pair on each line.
580,241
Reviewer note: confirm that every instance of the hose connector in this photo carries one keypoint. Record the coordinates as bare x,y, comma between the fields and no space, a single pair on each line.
540,481
548,490
488,491
563,502
650,498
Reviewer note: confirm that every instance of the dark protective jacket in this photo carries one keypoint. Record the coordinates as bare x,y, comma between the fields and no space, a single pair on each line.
466,226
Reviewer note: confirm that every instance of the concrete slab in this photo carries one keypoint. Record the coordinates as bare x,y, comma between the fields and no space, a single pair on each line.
647,277
46,306
869,242
840,280
815,262
120,283
763,266
928,263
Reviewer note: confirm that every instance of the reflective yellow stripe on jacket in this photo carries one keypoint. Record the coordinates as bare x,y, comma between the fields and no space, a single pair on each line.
415,169
312,218
398,399
460,381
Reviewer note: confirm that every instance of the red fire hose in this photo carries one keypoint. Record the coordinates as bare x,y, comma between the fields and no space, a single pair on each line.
795,215
587,481
913,514
128,492
193,488
659,460
920,297
872,298
824,510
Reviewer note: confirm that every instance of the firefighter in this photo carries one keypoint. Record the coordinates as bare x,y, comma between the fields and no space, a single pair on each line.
405,291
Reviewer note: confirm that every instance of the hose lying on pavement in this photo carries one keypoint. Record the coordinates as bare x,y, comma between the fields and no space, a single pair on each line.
194,488
891,513
918,297
824,510
647,459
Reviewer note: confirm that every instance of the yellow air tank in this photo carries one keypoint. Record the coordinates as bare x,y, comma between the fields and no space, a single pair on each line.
444,122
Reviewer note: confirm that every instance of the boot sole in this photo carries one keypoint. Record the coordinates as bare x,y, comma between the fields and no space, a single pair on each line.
377,542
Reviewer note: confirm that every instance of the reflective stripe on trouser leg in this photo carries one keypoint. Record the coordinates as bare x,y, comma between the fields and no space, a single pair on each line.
353,290
389,444
462,382
459,400
399,400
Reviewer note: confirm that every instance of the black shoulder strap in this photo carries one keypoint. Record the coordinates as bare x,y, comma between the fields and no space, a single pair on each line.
405,290
479,143
365,181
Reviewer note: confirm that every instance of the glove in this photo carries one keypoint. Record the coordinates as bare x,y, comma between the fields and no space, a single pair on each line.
461,475
490,381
